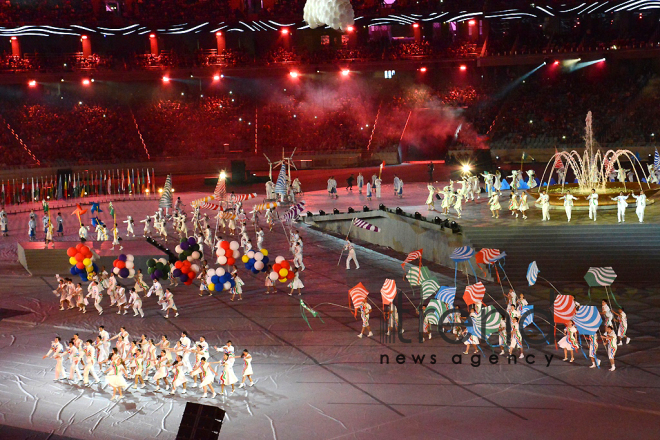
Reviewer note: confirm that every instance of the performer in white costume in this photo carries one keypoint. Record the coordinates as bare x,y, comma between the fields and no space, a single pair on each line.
568,203
351,255
544,200
640,202
621,205
593,204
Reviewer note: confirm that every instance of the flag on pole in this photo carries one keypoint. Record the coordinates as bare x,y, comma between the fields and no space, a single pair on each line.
221,188
388,291
413,256
365,225
357,295
558,162
166,197
280,185
474,293
656,160
293,212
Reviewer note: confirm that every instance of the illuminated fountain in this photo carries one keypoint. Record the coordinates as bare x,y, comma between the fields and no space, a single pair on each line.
592,171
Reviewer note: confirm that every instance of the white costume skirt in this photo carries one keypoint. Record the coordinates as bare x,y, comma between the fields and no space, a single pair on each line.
161,373
116,381
228,377
180,380
565,344
297,284
247,370
208,380
472,340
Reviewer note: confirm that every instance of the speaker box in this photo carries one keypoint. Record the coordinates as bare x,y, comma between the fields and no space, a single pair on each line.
237,171
200,422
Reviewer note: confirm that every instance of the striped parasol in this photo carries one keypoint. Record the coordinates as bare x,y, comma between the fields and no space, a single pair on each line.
417,276
413,256
532,273
558,162
656,160
462,253
211,206
280,185
587,320
365,225
446,295
485,323
357,295
166,197
529,318
429,288
474,293
293,212
600,276
388,291
264,206
489,256
436,308
564,309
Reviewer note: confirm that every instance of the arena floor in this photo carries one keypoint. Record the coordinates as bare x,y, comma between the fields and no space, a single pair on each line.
324,382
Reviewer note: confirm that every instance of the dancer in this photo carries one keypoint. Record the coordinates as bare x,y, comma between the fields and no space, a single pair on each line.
74,358
82,232
349,183
90,360
56,352
640,205
502,336
523,206
400,189
207,377
516,338
168,299
351,255
260,238
396,184
129,226
378,185
623,326
430,200
607,313
369,194
247,368
621,205
138,369
93,291
494,203
609,339
269,283
593,350
392,317
116,238
332,187
4,223
136,303
60,224
458,204
237,288
360,182
178,375
544,200
104,344
298,255
296,283
513,203
50,230
161,370
227,377
488,180
593,204
115,378
569,341
561,176
568,203
147,227
365,309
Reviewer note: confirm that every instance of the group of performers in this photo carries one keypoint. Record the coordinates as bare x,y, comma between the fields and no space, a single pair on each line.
136,359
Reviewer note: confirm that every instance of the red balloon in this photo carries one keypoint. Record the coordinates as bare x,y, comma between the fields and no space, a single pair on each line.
191,275
224,244
185,269
78,246
188,283
120,264
290,276
114,263
277,267
84,250
285,264
71,252
231,261
79,257
178,264
88,254
79,265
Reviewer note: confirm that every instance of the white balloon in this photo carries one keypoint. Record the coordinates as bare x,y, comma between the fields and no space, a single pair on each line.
236,255
162,260
131,272
258,256
115,271
220,271
220,252
258,265
130,257
279,259
196,255
209,279
190,258
194,268
234,245
273,276
178,249
250,254
211,272
129,265
227,285
221,261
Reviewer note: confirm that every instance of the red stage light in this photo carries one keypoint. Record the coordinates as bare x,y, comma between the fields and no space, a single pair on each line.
152,35
422,69
463,68
415,25
218,34
13,38
216,77
345,72
350,29
472,22
285,31
293,74
32,83
85,82
166,79
84,37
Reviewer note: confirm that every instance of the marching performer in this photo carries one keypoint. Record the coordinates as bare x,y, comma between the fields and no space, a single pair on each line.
593,350
513,203
74,358
120,295
430,205
369,195
82,233
60,224
365,309
147,227
116,238
593,204
247,369
640,203
524,206
238,287
298,255
56,352
351,255
569,342
136,303
207,377
544,200
494,203
332,187
377,185
458,204
516,338
168,299
260,238
621,205
609,339
360,182
623,326
90,360
129,226
568,203
93,291
607,313
296,283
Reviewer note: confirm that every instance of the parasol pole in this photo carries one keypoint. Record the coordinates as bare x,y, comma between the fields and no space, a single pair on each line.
342,250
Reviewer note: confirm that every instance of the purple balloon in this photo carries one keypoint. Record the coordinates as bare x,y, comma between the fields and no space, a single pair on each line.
176,273
191,240
121,257
183,278
123,273
158,273
184,245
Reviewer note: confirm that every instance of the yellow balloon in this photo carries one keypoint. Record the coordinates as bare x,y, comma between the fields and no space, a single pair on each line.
87,261
245,259
211,287
282,280
283,272
90,268
73,260
264,252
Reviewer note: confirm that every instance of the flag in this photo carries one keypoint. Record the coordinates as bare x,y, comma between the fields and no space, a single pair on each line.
558,162
357,295
447,295
388,291
429,288
220,189
365,225
60,194
211,206
112,210
524,156
532,273
293,212
564,309
656,160
413,256
166,197
587,320
382,165
474,293
280,185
